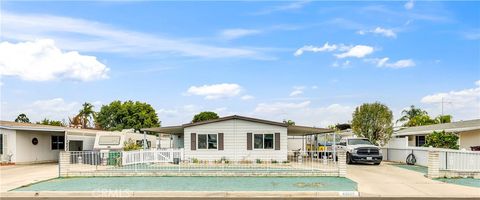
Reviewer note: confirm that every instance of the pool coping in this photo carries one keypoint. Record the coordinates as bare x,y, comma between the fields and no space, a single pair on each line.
181,194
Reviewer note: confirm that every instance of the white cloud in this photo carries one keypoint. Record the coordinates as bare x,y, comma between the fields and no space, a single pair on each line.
231,34
358,51
401,64
216,91
90,36
54,109
286,7
383,62
247,97
380,31
304,114
461,104
310,48
409,5
296,93
279,107
42,60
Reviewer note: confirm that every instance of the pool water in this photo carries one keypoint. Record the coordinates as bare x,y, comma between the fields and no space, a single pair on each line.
194,184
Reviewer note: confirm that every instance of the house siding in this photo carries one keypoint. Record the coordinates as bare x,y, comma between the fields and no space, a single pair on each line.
26,152
469,139
235,141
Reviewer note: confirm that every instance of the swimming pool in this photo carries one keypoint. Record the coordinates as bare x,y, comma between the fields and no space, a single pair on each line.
194,184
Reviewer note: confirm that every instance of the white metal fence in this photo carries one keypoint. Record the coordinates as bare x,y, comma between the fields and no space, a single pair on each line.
455,160
173,160
151,156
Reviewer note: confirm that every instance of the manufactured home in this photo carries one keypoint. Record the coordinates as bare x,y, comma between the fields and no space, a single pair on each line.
26,143
235,138
468,132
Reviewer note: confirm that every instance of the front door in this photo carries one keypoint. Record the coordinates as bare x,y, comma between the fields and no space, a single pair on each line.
75,145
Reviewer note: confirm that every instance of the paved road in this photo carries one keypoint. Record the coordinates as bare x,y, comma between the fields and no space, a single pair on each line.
387,180
15,176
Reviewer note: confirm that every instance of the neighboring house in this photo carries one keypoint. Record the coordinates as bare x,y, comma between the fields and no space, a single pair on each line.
235,138
25,143
468,132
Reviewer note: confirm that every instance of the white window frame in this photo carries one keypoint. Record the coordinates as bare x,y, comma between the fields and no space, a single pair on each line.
263,141
198,141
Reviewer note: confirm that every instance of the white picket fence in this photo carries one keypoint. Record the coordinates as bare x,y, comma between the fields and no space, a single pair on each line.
455,160
151,156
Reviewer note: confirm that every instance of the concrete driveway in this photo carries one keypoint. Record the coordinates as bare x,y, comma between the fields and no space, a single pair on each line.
386,180
15,176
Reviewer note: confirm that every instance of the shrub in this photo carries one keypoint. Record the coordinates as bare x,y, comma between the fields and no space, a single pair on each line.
258,161
225,160
131,145
274,161
285,162
442,139
195,160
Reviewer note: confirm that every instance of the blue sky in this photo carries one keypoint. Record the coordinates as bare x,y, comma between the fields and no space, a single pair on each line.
312,62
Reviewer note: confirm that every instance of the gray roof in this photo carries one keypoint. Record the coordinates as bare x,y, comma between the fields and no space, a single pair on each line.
291,129
460,126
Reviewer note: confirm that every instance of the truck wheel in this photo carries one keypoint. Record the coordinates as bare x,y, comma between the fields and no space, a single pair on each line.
349,158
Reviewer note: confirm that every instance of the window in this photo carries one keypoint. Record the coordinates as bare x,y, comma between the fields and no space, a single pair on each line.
420,140
263,141
109,140
58,142
207,141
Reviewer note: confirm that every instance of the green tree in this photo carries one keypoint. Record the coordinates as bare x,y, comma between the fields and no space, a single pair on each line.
289,122
22,118
443,119
420,120
127,115
86,115
204,116
411,114
442,139
46,121
373,121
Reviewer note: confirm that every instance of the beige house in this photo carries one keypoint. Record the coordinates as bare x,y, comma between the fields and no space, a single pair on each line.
468,132
235,138
25,143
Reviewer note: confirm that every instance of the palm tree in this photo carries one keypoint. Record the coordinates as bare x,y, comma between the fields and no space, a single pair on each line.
86,114
22,118
443,119
410,114
289,122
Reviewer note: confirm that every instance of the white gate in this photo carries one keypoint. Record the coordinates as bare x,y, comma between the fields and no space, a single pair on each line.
151,156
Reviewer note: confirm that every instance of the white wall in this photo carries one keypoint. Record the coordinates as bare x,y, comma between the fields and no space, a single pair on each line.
296,143
468,139
88,140
26,152
401,142
235,141
9,140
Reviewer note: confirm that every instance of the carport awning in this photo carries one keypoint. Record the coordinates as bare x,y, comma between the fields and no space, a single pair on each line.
172,130
294,130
